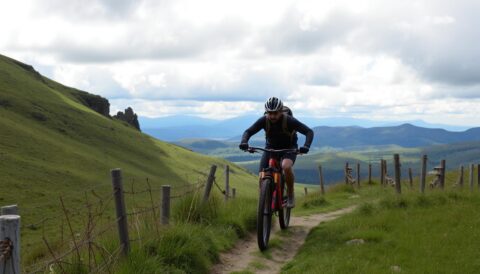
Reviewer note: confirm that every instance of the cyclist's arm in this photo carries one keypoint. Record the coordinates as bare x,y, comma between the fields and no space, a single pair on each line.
253,129
303,129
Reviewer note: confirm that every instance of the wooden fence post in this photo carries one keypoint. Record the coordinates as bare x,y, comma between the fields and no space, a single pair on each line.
227,182
10,230
410,177
346,173
472,170
306,191
398,176
369,173
478,174
385,167
322,183
443,167
424,174
460,177
9,210
165,219
358,174
234,193
120,210
208,186
382,172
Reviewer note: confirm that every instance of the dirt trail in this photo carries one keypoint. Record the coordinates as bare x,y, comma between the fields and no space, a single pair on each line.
246,256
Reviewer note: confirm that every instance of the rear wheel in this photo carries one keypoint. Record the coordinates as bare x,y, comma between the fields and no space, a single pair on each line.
284,211
264,214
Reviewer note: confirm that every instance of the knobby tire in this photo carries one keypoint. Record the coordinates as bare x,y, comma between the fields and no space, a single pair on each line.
264,214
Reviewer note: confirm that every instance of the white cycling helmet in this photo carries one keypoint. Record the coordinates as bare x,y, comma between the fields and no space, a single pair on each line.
273,104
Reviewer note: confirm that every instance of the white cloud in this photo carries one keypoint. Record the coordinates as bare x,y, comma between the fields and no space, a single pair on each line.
207,109
368,58
440,20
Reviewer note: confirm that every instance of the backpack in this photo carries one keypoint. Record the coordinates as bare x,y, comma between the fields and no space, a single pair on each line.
286,112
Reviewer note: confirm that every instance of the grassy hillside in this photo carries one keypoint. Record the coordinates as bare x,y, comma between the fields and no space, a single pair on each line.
413,233
52,144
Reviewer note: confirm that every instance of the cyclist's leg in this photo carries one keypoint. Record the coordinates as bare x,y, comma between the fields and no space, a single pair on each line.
287,165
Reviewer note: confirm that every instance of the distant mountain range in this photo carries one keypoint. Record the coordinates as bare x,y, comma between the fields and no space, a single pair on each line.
406,135
175,128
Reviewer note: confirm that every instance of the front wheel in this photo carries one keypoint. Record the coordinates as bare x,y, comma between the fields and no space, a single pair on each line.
264,214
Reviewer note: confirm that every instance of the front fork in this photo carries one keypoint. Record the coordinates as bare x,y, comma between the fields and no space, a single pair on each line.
277,195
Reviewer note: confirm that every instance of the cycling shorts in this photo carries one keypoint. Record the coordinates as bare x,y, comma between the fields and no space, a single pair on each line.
284,155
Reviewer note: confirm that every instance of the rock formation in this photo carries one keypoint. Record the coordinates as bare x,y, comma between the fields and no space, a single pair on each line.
128,116
95,102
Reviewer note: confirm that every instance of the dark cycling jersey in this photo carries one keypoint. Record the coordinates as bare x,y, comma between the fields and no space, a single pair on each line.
277,138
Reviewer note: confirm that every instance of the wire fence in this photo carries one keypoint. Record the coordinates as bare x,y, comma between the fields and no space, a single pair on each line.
430,173
82,236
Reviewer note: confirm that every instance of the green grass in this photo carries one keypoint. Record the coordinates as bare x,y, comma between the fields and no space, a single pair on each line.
52,145
193,244
202,231
432,233
337,196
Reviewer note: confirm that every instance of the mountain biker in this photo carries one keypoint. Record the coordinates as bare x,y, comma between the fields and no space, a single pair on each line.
280,133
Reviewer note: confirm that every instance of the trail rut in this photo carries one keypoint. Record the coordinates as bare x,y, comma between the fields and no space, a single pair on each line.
246,255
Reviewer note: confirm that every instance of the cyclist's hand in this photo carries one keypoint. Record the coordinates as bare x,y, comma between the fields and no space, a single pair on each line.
243,146
303,150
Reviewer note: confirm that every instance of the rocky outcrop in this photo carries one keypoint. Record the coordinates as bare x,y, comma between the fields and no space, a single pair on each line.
128,116
95,102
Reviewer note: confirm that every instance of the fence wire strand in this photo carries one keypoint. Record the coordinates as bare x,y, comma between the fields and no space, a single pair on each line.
91,214
80,244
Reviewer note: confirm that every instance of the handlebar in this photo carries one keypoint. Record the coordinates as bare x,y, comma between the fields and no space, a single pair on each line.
256,149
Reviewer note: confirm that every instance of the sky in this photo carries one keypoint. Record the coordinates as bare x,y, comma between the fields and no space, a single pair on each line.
378,60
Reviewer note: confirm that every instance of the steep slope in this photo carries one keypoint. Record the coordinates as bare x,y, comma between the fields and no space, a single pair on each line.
56,140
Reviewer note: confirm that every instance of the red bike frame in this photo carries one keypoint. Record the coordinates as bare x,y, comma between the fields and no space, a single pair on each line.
274,172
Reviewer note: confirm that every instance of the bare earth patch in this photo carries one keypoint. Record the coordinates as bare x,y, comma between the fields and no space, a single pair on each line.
245,256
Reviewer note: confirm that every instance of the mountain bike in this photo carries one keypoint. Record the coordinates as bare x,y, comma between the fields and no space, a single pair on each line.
273,196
